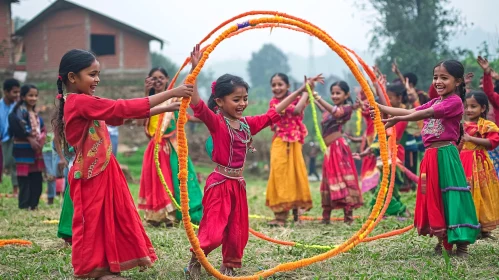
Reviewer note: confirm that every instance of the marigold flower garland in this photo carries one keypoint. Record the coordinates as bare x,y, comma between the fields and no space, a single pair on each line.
183,149
366,227
5,242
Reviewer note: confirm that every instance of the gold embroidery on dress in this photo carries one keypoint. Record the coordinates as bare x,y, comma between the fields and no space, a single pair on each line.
91,168
93,151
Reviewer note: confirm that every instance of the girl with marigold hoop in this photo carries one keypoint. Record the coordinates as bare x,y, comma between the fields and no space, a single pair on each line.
108,236
444,204
481,135
340,185
153,197
225,218
288,187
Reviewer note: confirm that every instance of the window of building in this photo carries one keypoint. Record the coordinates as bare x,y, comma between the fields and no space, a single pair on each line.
102,44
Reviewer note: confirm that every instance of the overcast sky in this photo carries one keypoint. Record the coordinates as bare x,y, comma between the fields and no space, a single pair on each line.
183,23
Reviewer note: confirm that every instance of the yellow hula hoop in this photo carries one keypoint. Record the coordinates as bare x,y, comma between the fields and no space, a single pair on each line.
183,150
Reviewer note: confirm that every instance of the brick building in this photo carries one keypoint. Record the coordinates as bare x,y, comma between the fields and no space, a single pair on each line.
122,50
8,42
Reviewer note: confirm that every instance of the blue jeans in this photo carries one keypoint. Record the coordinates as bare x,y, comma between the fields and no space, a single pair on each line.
114,142
51,160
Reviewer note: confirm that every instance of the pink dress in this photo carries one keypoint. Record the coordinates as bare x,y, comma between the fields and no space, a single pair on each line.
225,217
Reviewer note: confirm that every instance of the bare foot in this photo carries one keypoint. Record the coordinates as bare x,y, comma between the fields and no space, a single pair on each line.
227,271
193,269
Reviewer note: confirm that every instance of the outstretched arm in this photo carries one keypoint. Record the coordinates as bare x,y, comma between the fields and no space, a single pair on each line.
302,103
394,111
488,84
414,116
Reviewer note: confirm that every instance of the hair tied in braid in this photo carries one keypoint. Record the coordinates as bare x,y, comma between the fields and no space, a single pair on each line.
58,96
59,77
213,85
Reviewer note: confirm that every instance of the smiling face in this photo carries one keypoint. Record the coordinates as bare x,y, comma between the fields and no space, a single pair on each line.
444,82
86,80
12,95
234,104
160,81
338,95
31,98
279,87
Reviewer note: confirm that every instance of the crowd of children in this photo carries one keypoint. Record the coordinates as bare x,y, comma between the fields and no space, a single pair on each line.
451,164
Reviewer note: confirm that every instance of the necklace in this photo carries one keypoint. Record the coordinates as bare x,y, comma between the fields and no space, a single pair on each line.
230,120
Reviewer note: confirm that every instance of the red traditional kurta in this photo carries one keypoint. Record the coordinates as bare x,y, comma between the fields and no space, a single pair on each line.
225,217
108,235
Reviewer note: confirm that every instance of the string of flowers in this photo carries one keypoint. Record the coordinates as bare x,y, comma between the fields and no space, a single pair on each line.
378,196
183,149
5,242
358,122
389,194
318,133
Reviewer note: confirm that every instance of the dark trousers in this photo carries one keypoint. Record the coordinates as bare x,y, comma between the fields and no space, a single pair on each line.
30,190
312,168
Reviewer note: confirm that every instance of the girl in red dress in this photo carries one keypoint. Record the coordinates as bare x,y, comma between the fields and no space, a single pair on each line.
340,185
225,217
108,236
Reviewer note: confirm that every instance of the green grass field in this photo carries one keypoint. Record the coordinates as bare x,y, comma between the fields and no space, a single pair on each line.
407,256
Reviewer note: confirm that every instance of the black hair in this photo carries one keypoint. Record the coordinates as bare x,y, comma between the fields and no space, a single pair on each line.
481,99
225,85
344,87
74,61
456,70
496,86
283,76
24,91
400,91
163,71
10,83
413,79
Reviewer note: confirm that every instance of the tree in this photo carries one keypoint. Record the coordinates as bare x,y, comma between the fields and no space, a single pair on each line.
205,78
414,33
264,63
19,22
